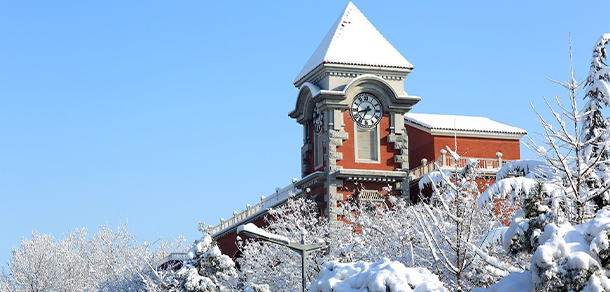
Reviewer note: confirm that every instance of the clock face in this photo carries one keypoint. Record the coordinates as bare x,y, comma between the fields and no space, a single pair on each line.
366,110
318,119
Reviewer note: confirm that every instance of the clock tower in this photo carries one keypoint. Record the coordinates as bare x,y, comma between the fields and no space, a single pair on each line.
351,104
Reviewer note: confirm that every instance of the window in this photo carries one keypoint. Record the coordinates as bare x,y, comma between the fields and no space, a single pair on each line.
367,144
318,151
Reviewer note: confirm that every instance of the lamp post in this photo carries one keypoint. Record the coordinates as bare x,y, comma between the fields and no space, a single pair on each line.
301,248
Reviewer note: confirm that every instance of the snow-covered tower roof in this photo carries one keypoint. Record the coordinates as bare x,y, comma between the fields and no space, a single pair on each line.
352,41
449,125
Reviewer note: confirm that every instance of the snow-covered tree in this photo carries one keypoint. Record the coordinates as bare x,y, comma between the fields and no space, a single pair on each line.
458,236
597,91
33,266
277,266
116,257
575,146
154,279
372,231
207,269
565,218
111,260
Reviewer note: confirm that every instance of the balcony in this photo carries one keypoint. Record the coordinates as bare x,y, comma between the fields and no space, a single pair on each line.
487,166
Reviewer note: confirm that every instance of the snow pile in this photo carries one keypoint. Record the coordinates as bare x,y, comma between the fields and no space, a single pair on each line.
381,276
515,282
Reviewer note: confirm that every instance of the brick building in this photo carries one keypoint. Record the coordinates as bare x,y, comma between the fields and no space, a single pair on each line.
358,140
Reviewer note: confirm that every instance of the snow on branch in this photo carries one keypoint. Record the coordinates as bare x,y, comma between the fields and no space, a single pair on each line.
433,178
508,187
527,167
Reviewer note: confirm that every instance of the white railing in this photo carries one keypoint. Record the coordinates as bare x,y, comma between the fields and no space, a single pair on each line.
274,199
174,256
425,168
447,163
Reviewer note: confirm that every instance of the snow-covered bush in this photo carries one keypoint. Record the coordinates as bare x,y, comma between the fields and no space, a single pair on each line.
207,269
568,258
381,276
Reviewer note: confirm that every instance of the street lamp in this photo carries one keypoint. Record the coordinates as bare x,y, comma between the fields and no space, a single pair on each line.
302,249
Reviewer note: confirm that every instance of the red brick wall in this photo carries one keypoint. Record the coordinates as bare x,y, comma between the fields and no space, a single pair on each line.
228,243
387,151
421,145
424,145
479,147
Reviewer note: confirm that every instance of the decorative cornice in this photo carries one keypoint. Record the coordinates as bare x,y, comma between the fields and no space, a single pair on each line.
352,71
312,180
372,175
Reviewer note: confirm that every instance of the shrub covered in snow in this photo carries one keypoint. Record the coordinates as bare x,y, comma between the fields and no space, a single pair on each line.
381,276
568,258
207,268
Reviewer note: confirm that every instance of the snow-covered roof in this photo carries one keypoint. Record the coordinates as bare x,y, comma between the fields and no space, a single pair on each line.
448,124
354,40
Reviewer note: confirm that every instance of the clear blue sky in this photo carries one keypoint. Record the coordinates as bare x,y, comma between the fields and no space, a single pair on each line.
164,114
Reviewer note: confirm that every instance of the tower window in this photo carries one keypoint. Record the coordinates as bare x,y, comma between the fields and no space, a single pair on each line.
318,151
367,144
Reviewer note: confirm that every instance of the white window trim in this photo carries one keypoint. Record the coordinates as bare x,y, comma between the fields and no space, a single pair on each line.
377,146
317,140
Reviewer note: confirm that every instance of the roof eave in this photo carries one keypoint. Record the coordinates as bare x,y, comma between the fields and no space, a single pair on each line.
468,133
327,64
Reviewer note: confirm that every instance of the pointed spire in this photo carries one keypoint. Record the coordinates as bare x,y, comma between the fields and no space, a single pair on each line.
353,40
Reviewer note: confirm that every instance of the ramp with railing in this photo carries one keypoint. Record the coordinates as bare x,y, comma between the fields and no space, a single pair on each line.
280,196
